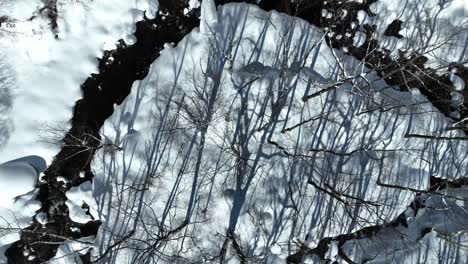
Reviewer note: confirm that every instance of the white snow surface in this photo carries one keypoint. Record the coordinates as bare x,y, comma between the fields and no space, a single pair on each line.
209,17
233,81
458,82
77,196
17,204
46,72
18,177
436,29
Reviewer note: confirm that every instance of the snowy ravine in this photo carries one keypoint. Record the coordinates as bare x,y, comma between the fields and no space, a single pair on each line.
257,138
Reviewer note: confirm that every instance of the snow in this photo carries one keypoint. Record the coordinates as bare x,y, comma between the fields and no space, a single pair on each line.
457,99
413,244
17,204
13,218
209,17
194,4
42,218
40,78
458,83
171,139
255,65
47,71
70,252
333,251
18,177
447,18
362,16
276,249
77,197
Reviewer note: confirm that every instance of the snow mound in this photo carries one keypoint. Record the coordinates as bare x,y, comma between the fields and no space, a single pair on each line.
18,177
81,203
37,162
17,199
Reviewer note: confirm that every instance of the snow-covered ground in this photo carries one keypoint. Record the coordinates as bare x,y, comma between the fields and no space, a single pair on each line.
243,127
224,118
47,70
